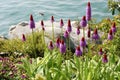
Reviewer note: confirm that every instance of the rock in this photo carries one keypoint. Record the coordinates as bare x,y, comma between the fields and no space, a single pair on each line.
18,30
12,28
23,24
17,54
4,54
3,38
23,28
72,44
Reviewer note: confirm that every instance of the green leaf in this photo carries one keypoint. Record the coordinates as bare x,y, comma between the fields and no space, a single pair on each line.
89,76
60,73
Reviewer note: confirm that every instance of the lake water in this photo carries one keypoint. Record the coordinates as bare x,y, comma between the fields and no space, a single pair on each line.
15,11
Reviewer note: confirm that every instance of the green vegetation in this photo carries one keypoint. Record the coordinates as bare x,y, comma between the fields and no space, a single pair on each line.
114,5
52,65
29,58
23,47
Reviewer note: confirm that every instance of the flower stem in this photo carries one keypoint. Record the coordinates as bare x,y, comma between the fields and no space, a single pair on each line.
82,70
78,37
43,38
34,45
53,31
84,32
61,32
79,68
86,67
82,64
113,57
89,26
69,41
66,68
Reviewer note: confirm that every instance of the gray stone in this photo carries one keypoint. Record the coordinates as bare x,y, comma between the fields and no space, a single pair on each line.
23,28
12,28
23,24
4,54
3,38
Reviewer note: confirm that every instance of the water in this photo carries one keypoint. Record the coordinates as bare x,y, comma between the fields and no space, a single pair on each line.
15,11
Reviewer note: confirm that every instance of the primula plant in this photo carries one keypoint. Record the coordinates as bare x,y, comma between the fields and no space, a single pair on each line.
114,5
30,58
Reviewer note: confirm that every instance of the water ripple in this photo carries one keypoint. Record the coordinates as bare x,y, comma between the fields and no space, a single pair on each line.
15,11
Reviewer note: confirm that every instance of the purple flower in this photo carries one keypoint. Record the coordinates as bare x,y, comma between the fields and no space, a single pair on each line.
105,59
32,23
95,35
62,47
114,27
50,46
30,61
11,75
58,42
83,22
61,23
110,35
23,76
43,28
100,51
78,51
42,23
78,31
23,37
1,59
12,66
6,59
83,42
52,19
66,34
89,33
69,27
3,71
20,62
88,12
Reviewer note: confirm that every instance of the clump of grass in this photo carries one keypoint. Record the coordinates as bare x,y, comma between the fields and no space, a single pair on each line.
26,47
